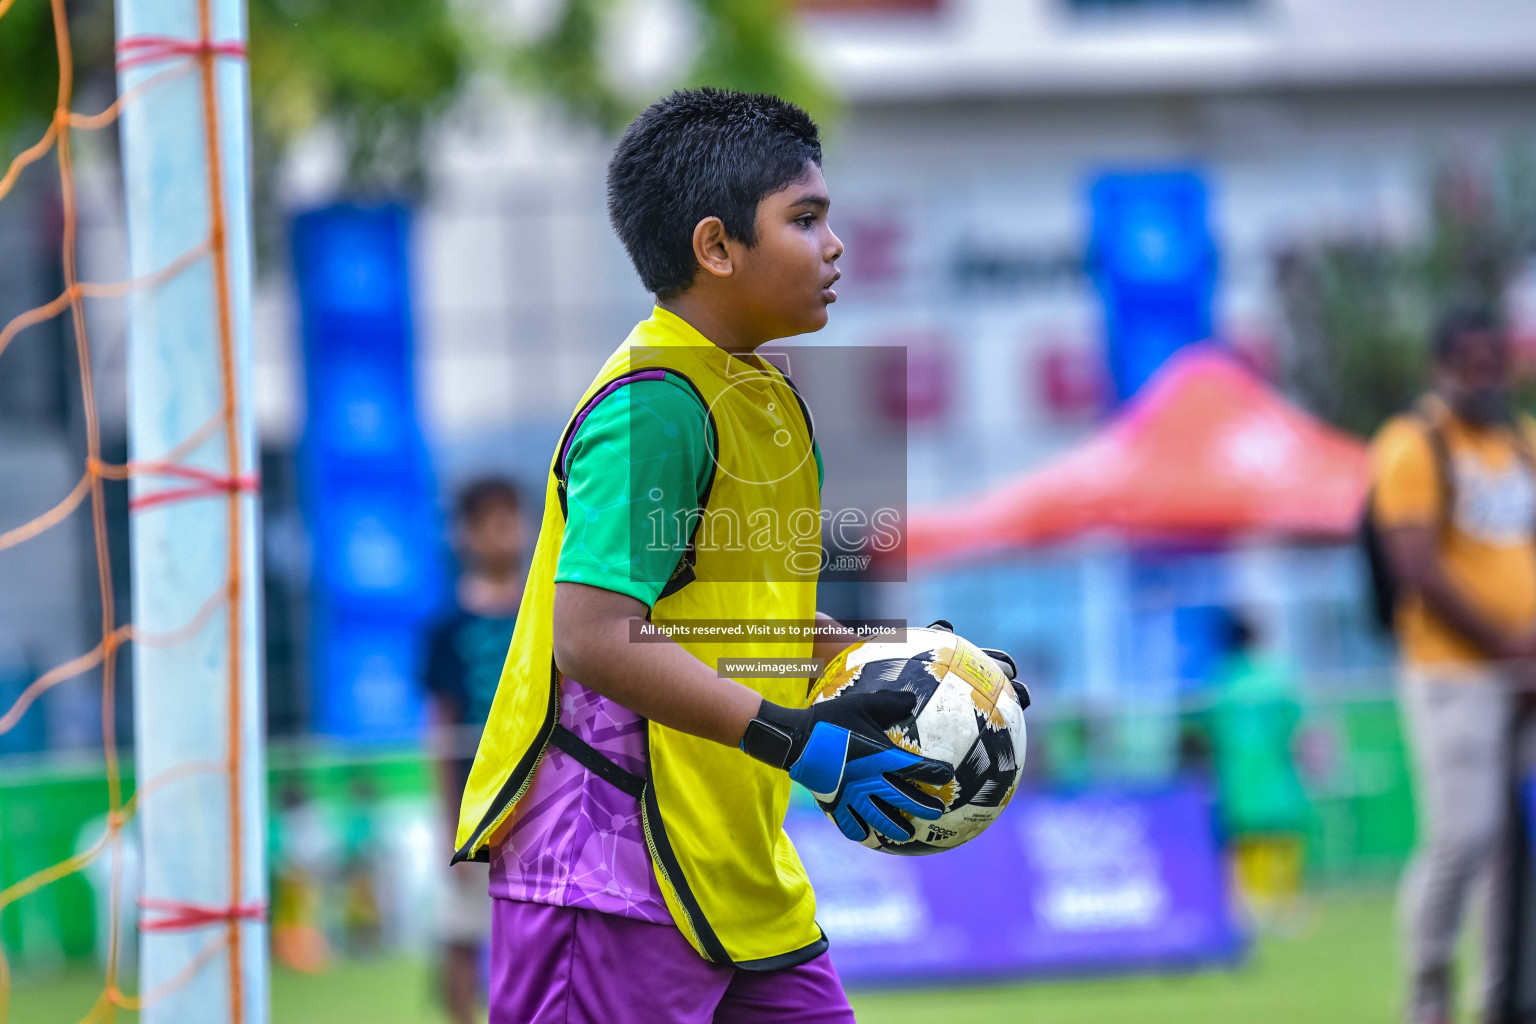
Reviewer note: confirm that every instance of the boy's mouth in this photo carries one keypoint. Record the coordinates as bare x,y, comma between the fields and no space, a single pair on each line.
827,294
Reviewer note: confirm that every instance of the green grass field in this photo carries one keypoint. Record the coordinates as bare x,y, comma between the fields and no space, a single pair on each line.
1339,967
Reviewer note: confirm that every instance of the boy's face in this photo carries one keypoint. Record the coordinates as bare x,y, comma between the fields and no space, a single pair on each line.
784,283
493,538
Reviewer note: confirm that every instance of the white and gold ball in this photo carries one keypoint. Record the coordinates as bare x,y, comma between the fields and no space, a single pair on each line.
967,716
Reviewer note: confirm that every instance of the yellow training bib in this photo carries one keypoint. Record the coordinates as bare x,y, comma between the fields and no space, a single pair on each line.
713,817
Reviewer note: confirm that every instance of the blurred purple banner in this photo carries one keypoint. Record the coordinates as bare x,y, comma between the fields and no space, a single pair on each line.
1093,882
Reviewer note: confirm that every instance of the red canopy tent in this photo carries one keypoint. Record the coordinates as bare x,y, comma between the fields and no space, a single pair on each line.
1206,449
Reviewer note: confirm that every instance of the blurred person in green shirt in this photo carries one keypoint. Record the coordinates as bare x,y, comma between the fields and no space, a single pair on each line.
1250,724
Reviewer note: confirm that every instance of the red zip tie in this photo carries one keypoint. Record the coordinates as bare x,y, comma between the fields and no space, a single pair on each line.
204,476
209,484
151,49
183,916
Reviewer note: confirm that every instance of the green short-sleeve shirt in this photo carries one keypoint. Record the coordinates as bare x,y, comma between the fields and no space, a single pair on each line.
642,457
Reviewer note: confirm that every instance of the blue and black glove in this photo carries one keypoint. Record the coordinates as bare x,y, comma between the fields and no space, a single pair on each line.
839,751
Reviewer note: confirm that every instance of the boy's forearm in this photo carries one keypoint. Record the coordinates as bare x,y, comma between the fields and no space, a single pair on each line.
657,680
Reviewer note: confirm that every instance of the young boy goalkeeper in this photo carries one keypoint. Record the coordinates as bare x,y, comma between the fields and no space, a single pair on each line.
630,799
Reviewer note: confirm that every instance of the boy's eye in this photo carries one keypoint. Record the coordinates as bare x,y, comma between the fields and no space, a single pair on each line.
806,220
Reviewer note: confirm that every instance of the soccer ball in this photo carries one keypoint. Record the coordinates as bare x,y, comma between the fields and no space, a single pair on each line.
967,716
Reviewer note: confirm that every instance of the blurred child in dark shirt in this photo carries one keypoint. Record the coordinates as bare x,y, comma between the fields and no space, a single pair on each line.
465,651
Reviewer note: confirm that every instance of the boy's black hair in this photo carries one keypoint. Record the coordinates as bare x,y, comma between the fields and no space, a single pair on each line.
701,153
1458,321
484,492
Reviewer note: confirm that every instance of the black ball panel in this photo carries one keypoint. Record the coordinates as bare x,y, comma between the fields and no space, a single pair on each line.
908,674
972,772
880,675
993,791
999,744
915,676
915,848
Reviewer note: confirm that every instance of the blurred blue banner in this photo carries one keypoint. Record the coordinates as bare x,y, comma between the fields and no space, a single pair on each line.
369,497
1154,264
1093,882
29,734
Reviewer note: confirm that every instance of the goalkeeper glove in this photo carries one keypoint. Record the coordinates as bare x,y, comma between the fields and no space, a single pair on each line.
839,751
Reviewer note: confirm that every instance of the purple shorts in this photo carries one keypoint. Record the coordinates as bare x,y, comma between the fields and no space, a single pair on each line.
569,965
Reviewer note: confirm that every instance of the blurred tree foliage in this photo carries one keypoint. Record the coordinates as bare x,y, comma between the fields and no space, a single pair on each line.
565,63
741,44
747,45
29,66
379,71
1358,311
376,71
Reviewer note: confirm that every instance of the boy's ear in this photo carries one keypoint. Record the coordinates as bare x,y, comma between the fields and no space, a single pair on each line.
710,249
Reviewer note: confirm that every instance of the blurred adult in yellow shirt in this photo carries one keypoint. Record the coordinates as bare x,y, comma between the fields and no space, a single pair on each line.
1454,499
